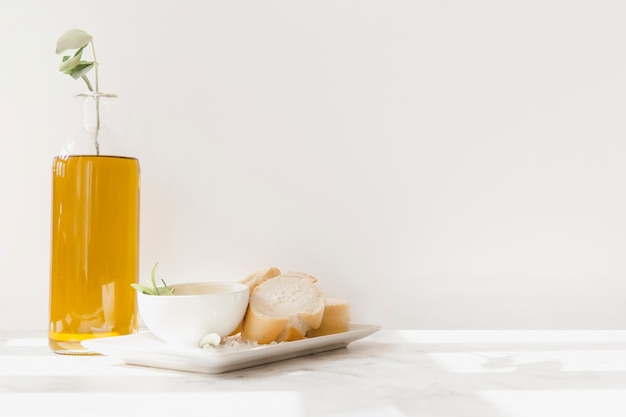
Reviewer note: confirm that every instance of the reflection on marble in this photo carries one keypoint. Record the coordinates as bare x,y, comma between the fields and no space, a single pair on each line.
391,373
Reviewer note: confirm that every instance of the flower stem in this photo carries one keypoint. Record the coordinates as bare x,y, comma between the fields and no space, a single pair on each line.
86,80
97,97
97,143
95,61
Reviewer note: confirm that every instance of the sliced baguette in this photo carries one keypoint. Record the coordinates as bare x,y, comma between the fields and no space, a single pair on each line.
283,308
259,276
252,281
336,318
301,275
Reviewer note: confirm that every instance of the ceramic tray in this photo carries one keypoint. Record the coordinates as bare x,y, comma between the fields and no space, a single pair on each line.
145,349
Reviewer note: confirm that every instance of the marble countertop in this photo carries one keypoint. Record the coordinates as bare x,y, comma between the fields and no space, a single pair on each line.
391,373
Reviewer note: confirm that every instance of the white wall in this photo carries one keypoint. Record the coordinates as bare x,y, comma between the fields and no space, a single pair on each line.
444,164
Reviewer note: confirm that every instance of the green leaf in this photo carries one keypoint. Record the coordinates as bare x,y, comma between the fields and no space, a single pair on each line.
164,290
143,289
167,290
69,64
152,277
81,69
73,39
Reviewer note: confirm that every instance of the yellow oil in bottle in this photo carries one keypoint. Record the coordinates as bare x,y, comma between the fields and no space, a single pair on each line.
95,244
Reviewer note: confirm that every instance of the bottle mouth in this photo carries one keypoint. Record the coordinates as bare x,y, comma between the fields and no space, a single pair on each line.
96,94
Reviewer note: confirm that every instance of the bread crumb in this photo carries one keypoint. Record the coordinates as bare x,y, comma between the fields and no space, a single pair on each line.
233,343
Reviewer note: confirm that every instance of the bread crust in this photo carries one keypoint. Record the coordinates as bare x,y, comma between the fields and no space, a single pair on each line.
261,328
300,275
259,276
336,318
289,334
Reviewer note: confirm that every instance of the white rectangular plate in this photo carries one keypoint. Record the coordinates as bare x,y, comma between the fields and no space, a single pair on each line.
144,349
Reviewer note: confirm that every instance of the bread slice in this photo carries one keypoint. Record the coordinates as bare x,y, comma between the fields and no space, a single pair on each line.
252,281
336,318
301,275
283,308
259,276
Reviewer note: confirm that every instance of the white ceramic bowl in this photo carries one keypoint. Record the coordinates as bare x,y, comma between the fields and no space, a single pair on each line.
195,310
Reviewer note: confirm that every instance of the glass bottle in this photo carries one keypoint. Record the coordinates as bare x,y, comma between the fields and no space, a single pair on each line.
95,235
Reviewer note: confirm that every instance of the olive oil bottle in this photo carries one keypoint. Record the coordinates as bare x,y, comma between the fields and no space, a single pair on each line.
94,236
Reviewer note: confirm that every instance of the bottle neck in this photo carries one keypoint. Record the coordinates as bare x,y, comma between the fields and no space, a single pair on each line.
95,137
94,104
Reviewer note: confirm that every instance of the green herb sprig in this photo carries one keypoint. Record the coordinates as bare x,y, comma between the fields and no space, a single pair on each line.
154,290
